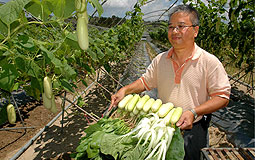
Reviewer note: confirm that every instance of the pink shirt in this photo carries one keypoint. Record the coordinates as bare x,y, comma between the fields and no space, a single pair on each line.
201,76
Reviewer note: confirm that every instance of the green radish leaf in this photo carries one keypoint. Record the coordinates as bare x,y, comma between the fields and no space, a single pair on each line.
83,146
10,12
176,148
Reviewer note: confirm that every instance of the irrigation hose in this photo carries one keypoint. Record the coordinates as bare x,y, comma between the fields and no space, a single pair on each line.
24,148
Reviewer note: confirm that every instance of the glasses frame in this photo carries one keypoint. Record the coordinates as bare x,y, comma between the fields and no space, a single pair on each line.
179,27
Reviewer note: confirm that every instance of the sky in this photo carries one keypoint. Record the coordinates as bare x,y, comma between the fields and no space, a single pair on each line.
120,7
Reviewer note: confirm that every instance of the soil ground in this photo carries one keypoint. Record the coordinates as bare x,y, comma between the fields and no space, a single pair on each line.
57,142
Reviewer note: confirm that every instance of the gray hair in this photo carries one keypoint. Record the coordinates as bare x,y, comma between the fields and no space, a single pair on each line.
194,18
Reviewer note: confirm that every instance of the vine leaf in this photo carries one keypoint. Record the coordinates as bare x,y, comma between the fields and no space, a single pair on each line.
39,9
62,8
98,6
66,85
10,12
7,76
92,54
65,69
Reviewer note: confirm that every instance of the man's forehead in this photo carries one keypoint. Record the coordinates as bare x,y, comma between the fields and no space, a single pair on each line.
184,17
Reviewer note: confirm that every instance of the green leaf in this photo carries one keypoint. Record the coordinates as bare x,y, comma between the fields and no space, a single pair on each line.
71,40
92,129
3,114
10,12
87,68
62,8
107,67
39,9
108,51
8,74
66,85
94,145
60,67
56,84
97,5
67,71
176,148
92,54
34,7
33,69
26,42
20,63
80,102
3,30
84,83
29,66
82,146
35,89
16,86
51,57
100,54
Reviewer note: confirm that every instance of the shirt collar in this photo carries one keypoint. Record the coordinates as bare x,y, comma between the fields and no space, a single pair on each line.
195,55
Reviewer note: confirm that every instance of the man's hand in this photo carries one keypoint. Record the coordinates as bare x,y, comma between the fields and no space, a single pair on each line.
135,87
116,98
186,120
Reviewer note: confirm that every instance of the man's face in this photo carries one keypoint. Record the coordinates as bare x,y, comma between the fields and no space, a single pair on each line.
181,33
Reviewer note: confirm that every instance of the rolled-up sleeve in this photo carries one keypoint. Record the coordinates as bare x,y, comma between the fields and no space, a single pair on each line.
218,82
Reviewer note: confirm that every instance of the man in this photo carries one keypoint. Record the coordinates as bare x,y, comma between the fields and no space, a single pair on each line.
187,76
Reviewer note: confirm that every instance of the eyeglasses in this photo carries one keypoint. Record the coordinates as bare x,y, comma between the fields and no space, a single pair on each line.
179,27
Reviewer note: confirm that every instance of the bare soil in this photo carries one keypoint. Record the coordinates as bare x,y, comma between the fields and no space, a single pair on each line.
57,142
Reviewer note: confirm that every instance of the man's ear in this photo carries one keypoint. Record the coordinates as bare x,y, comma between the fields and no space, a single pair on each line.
196,31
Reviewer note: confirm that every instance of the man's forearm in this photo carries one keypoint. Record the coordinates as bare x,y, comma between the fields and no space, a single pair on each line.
211,105
135,87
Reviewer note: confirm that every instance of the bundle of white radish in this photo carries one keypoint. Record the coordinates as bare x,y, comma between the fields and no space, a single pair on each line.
135,105
156,128
155,134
